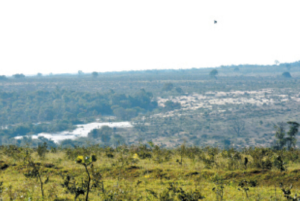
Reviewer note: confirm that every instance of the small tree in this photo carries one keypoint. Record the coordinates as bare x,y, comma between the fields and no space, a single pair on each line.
42,150
19,76
87,161
104,133
237,127
286,75
182,151
291,134
80,72
3,77
236,69
72,186
34,170
170,105
213,73
219,189
245,185
167,86
280,135
94,74
179,90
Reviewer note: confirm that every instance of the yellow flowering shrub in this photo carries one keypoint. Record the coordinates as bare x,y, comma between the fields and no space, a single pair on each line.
135,156
80,159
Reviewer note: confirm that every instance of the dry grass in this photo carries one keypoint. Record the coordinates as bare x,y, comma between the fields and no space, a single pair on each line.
132,181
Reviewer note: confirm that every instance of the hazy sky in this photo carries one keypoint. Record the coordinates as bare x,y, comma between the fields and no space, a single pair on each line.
64,36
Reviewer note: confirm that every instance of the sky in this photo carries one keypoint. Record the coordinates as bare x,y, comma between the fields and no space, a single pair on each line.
64,36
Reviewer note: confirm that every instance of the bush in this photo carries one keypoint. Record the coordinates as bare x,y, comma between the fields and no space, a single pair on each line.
286,75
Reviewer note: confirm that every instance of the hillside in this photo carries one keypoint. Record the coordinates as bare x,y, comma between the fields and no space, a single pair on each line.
165,106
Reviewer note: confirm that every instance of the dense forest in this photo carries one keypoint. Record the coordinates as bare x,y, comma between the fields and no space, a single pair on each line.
41,106
25,113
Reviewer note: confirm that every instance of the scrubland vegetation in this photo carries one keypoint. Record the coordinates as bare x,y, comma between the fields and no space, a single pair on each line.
148,172
238,107
229,133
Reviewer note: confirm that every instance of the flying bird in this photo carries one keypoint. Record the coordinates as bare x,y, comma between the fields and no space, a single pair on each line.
215,22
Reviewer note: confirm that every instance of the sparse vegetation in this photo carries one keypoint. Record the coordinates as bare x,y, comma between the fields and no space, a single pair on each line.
231,149
133,172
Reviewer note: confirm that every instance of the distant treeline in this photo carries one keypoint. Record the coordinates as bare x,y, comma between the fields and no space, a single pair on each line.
156,74
46,106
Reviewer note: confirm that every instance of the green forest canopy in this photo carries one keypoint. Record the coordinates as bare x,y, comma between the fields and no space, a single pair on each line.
43,106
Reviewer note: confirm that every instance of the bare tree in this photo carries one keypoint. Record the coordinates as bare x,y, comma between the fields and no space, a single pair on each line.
237,127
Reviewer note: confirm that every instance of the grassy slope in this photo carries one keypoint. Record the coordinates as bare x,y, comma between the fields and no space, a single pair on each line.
190,175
